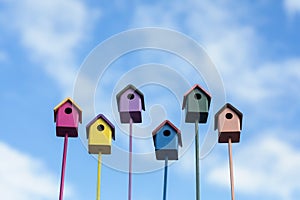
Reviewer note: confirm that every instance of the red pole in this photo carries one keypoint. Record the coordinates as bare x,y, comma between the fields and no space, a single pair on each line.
62,181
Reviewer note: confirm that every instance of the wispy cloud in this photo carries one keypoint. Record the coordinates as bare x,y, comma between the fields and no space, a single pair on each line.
268,165
3,56
24,177
234,47
51,32
292,6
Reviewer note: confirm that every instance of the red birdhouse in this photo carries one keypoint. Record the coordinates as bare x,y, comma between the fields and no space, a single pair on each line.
228,121
67,114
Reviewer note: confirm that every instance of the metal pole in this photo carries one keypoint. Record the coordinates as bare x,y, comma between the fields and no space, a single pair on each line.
165,178
130,159
231,169
63,167
99,177
197,161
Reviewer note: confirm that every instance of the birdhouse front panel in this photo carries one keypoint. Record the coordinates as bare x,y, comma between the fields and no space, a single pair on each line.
228,122
196,103
67,118
100,137
130,106
166,143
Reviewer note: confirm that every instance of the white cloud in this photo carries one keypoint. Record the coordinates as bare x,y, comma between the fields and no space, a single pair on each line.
51,31
24,177
292,6
267,165
3,56
234,47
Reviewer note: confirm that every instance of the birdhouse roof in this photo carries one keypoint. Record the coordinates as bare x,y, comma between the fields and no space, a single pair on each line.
135,90
101,116
231,107
172,126
196,86
73,103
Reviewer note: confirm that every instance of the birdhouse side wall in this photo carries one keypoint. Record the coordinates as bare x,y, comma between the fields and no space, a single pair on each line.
66,119
228,125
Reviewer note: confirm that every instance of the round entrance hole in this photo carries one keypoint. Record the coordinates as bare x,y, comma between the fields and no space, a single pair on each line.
68,110
197,96
130,96
228,116
167,133
100,127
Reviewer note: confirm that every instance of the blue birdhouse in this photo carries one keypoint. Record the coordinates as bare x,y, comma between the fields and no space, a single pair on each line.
166,138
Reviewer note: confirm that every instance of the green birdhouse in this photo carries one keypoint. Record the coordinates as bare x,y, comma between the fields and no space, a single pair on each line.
196,103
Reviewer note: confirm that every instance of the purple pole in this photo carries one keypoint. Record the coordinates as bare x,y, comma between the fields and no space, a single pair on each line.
130,160
62,181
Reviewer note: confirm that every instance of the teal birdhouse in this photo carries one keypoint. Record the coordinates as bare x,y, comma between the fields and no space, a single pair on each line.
166,138
196,103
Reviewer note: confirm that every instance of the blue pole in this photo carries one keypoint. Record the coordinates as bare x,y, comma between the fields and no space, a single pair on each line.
165,178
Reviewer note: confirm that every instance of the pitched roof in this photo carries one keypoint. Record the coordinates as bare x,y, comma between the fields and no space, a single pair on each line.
196,86
154,132
130,86
228,105
68,99
101,116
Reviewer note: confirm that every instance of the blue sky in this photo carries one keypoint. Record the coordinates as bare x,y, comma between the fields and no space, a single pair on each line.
254,46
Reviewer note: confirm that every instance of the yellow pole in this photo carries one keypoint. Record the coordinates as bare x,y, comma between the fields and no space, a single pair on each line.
99,176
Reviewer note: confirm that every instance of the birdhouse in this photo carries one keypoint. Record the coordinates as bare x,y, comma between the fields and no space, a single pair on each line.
67,114
196,103
130,104
228,121
100,132
166,138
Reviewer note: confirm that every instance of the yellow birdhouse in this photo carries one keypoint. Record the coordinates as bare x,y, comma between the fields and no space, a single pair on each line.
100,132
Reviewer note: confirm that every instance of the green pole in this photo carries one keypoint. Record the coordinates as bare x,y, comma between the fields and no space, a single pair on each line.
197,161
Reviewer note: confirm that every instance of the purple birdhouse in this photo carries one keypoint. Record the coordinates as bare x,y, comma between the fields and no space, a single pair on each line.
130,104
228,121
67,114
